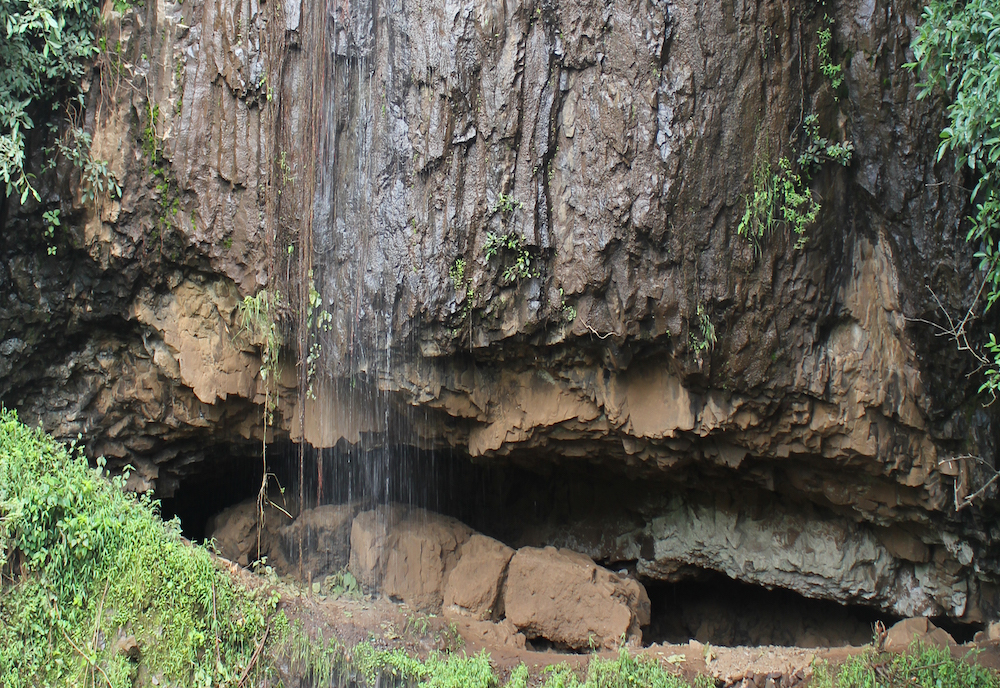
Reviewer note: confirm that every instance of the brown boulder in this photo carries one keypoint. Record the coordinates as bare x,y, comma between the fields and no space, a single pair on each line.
325,534
500,634
473,588
369,537
422,550
564,597
234,532
917,628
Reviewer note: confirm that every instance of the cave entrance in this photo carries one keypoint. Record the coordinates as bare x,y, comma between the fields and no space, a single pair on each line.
713,608
211,486
572,505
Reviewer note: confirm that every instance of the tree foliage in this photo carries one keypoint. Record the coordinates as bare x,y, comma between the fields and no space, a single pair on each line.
958,49
45,46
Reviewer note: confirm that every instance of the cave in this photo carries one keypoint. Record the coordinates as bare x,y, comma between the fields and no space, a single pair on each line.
575,506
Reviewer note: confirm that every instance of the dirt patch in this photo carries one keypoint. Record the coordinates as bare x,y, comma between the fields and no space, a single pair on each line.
390,625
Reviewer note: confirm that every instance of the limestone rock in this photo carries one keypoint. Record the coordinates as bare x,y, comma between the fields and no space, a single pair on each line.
421,552
566,598
474,585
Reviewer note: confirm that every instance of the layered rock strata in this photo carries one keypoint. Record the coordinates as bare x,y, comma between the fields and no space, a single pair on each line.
516,227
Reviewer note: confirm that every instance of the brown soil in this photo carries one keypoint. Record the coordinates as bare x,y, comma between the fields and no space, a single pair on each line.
390,625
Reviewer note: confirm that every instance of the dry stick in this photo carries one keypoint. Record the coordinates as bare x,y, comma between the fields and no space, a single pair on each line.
961,503
97,623
599,335
253,659
215,627
89,661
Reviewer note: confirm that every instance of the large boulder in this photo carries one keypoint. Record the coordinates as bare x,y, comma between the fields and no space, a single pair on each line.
917,629
566,598
422,550
474,586
234,532
324,534
369,536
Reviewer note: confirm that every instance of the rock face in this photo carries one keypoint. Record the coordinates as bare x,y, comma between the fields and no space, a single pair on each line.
511,232
564,597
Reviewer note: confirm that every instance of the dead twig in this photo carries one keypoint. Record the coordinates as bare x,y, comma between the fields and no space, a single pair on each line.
967,500
958,330
253,659
595,332
89,661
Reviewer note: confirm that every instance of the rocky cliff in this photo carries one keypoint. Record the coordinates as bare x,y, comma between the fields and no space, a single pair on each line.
511,230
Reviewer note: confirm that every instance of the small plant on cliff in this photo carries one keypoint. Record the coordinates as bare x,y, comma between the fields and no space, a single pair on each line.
777,198
703,334
505,204
830,70
782,197
817,149
456,273
511,249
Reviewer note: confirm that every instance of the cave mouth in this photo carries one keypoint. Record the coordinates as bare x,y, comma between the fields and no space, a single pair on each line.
712,608
522,507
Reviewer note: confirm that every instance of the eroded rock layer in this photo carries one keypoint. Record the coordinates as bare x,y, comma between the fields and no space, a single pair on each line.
511,231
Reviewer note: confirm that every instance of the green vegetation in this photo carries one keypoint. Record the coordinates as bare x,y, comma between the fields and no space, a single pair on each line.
505,204
74,145
625,671
778,197
831,70
782,197
44,51
819,149
703,335
956,49
919,667
511,249
461,671
456,273
84,564
150,140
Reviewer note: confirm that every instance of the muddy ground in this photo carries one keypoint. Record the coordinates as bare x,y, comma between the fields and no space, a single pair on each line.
353,618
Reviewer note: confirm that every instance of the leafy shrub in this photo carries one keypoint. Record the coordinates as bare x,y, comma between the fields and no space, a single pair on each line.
45,46
831,70
919,667
511,248
956,49
85,563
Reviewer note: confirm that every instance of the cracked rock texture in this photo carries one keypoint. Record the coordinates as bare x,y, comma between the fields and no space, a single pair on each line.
360,156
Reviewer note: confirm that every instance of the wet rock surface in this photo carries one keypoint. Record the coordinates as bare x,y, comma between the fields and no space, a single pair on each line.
384,143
